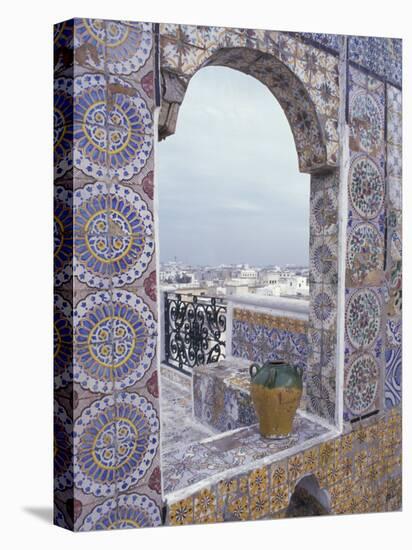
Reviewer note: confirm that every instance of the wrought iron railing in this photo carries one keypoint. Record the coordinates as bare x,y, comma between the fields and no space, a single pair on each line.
195,330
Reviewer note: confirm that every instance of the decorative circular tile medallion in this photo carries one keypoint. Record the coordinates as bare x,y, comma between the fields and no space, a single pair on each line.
366,187
63,34
116,443
127,511
361,384
116,140
115,341
63,446
363,318
113,235
323,306
366,123
323,261
63,235
324,211
365,252
127,45
63,126
63,342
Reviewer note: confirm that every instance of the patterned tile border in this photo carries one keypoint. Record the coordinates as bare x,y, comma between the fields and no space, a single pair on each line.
360,472
107,421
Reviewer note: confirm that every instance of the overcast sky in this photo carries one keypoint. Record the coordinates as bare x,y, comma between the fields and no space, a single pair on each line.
228,180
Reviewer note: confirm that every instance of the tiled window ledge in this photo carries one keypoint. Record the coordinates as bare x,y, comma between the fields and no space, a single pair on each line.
193,460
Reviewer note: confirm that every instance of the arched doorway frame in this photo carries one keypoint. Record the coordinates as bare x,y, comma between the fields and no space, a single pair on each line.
308,90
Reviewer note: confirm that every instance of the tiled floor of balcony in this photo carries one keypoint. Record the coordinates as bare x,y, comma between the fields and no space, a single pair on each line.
193,453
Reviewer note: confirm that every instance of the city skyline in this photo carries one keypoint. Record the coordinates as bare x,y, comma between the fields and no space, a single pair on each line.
234,161
272,265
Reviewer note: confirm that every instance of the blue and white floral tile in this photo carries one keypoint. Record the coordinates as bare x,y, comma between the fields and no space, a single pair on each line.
383,56
63,151
394,332
323,259
63,109
137,438
223,401
362,384
193,35
129,47
111,248
123,450
365,255
327,359
63,445
126,511
127,105
394,160
115,338
366,119
63,341
89,44
81,506
331,41
63,48
363,318
394,132
260,343
129,155
169,53
191,58
188,464
393,67
366,188
62,227
138,310
323,308
323,209
393,377
313,383
113,129
171,29
117,47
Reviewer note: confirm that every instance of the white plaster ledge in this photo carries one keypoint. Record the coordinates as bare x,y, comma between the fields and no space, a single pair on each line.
278,306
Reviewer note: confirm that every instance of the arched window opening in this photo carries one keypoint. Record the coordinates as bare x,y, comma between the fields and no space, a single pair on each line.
230,190
308,499
234,265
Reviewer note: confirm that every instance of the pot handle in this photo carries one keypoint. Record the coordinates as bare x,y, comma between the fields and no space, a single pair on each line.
254,369
299,370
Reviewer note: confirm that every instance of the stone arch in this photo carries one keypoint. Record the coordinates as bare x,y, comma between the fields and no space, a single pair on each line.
309,499
291,93
305,81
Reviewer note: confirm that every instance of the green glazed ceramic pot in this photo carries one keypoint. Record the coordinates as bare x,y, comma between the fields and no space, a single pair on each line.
276,389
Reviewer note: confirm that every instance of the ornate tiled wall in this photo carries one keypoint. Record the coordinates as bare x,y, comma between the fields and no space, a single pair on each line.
107,465
321,377
393,352
364,347
262,337
304,80
109,77
221,395
380,56
373,286
360,471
